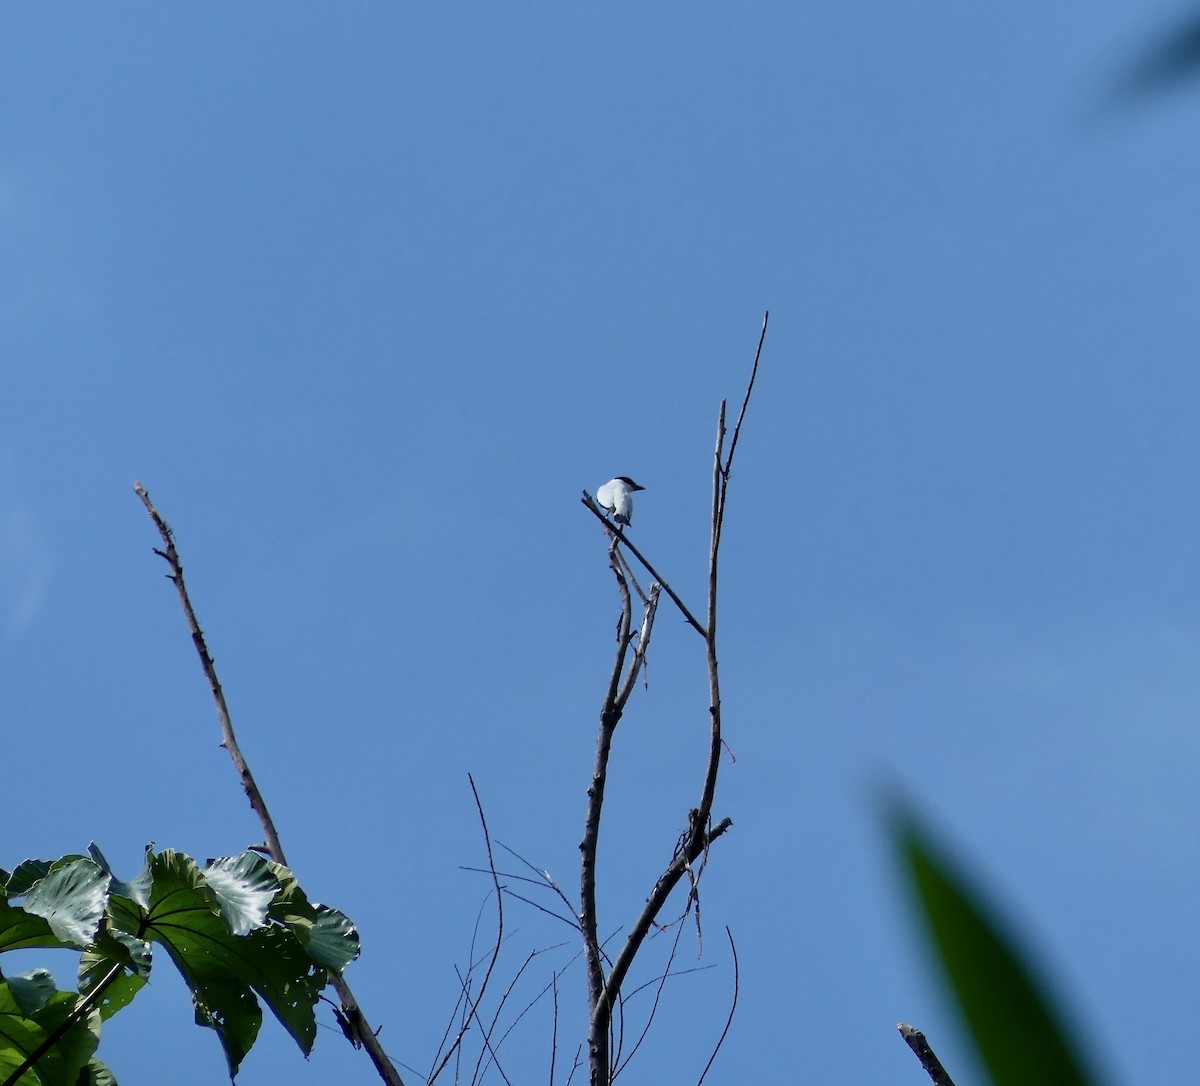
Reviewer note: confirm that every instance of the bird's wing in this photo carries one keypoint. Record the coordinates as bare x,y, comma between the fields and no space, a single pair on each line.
606,496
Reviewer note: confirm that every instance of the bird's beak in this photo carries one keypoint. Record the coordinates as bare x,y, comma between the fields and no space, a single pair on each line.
636,487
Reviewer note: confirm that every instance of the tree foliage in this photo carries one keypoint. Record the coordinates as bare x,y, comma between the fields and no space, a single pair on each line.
239,929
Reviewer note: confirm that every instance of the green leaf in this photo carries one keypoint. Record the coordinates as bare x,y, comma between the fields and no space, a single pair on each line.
138,890
32,991
183,915
1018,1034
27,875
188,916
329,935
96,1074
114,948
20,931
334,941
244,886
21,1035
72,899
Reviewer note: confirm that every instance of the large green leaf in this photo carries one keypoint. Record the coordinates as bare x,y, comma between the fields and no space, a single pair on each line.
138,890
334,939
188,916
28,874
184,916
22,1034
1018,1034
238,930
20,931
96,1074
31,991
71,899
244,886
328,934
118,961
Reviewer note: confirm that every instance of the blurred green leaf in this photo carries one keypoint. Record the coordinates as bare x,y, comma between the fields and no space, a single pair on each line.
1168,62
96,1074
1019,1036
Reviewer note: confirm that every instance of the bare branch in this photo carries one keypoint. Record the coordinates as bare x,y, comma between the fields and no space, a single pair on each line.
228,739
915,1040
492,1051
610,715
544,874
658,897
616,532
554,1029
353,1021
643,645
576,1065
737,429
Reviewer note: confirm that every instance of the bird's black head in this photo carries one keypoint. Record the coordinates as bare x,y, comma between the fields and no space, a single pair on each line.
630,483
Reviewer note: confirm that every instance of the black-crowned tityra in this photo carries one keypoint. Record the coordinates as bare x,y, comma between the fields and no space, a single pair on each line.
617,497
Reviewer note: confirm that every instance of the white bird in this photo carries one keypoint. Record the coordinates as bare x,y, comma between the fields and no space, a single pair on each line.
617,497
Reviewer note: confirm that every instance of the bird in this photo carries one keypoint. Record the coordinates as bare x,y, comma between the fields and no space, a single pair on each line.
616,496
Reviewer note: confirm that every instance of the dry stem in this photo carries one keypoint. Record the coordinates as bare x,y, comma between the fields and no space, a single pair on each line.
915,1040
354,1022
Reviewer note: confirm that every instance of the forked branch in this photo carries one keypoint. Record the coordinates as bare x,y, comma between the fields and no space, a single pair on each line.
604,990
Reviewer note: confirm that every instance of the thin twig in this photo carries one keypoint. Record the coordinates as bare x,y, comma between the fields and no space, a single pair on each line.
732,1007
661,984
915,1040
643,645
554,1028
549,881
542,909
460,1009
488,1047
737,429
578,1063
531,1003
353,1016
487,839
653,981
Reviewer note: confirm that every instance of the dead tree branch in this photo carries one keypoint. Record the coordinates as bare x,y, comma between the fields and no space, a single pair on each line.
915,1040
604,991
615,532
353,1021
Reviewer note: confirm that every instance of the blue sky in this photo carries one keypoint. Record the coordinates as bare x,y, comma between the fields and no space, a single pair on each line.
366,295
